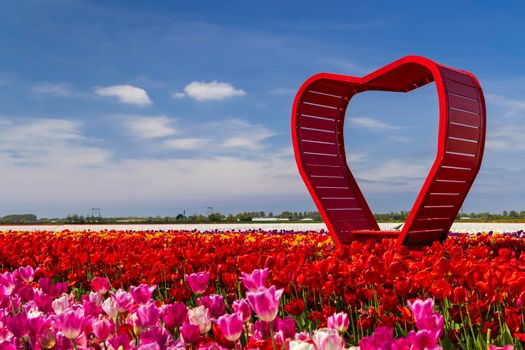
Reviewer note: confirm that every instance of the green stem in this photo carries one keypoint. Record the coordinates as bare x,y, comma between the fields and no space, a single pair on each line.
74,344
271,336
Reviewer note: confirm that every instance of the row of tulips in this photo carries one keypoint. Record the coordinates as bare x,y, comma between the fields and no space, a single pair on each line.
477,281
43,316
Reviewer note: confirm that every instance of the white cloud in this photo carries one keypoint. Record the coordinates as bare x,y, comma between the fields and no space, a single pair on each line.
506,138
282,91
33,142
371,123
215,90
149,127
61,89
241,134
512,106
126,94
187,143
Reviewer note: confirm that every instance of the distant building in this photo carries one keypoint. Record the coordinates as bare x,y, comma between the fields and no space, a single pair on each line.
307,219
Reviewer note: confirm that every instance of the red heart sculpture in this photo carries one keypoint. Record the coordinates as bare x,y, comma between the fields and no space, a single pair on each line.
318,140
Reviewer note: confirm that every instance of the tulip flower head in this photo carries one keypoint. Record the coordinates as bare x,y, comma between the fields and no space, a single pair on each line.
174,315
70,322
242,308
265,302
200,316
26,273
142,294
231,326
255,280
198,281
190,333
327,339
100,285
339,321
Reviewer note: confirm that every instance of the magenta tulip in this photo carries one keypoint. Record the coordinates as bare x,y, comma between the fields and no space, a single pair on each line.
214,303
242,308
100,285
190,333
174,315
231,326
26,273
142,294
102,328
255,280
198,281
70,323
123,300
148,315
265,302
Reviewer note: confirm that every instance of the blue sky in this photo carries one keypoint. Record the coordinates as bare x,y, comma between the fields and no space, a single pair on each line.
144,108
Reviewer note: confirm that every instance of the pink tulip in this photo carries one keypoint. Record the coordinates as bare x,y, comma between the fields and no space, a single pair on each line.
301,345
26,273
214,303
190,333
100,285
265,302
148,315
200,316
110,307
17,324
198,281
242,308
287,326
70,322
255,280
231,326
7,284
339,321
327,339
426,318
102,328
142,294
47,339
174,315
123,300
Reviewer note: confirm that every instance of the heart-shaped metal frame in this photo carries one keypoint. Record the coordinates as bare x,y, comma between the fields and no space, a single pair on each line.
318,139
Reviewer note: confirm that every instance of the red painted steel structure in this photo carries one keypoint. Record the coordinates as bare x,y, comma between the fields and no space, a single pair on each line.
317,130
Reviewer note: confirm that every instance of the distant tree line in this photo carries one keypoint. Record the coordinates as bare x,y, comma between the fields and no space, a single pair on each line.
512,215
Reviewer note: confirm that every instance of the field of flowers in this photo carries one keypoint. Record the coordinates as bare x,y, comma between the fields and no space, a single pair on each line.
258,290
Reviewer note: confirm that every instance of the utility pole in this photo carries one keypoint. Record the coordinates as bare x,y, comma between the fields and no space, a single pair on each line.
209,210
95,212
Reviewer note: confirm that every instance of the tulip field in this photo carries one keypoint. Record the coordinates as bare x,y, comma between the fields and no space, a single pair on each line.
153,290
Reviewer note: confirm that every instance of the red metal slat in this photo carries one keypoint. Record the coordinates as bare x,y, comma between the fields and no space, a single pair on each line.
346,214
461,117
319,147
317,123
445,187
463,103
322,99
437,212
341,203
456,76
461,146
334,192
320,159
453,174
457,160
461,89
463,132
324,170
328,181
315,135
318,111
